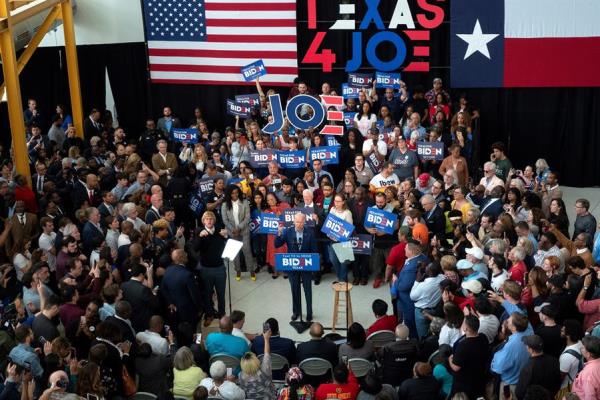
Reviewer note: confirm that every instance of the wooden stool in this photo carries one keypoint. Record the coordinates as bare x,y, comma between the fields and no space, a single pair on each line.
343,305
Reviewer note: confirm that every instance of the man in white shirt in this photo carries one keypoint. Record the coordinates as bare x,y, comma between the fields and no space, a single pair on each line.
488,322
426,294
46,241
490,180
385,178
153,337
238,318
571,359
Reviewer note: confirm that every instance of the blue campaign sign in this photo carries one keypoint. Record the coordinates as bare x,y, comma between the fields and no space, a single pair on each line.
360,80
362,243
327,154
297,262
381,220
430,151
269,223
254,70
374,163
337,229
196,205
349,92
254,221
253,100
331,141
189,135
238,110
292,159
289,213
205,186
385,80
349,119
262,158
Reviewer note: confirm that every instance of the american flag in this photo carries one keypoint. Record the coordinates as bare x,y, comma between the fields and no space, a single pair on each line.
208,41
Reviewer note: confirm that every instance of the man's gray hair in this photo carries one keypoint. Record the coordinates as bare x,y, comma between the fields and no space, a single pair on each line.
490,165
218,370
128,208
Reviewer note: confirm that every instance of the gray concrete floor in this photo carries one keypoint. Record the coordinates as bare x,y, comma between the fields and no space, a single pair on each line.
268,297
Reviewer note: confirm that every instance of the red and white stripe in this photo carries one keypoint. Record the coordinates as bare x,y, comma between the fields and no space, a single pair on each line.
238,33
551,41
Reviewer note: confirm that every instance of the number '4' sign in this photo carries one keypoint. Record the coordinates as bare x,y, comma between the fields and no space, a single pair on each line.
326,57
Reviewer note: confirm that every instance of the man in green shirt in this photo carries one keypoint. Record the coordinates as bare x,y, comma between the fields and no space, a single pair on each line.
503,164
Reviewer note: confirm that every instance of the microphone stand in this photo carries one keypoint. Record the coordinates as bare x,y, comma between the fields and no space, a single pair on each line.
300,326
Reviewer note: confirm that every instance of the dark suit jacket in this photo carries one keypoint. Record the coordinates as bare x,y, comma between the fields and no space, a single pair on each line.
309,244
161,124
124,328
34,181
104,211
143,302
151,216
279,345
80,196
318,348
89,129
492,206
180,288
90,232
436,222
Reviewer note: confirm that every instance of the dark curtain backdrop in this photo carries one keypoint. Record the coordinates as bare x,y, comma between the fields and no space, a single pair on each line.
559,124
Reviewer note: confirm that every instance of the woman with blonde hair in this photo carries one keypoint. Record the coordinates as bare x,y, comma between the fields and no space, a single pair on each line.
448,263
256,377
186,375
551,265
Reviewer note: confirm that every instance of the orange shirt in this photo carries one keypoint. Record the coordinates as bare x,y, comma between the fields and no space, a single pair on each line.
421,233
347,391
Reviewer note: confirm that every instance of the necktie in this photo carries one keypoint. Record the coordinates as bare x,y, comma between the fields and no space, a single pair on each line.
40,184
91,196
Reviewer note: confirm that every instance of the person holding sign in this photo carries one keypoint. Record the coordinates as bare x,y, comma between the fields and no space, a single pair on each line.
299,239
340,210
274,206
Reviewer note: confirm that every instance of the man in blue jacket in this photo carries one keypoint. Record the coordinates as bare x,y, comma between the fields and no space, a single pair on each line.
180,290
403,283
299,240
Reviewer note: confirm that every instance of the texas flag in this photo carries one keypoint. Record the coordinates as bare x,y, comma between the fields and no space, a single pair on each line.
525,43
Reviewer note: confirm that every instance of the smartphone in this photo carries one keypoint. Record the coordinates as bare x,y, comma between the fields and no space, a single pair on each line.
229,371
266,327
198,338
92,397
42,340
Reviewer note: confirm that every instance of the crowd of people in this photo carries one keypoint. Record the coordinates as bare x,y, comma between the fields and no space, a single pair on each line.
110,270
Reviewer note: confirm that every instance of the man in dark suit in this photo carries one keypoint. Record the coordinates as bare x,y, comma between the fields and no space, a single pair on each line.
108,204
299,240
92,231
317,347
180,290
492,204
39,178
91,125
143,302
86,193
121,320
279,345
434,217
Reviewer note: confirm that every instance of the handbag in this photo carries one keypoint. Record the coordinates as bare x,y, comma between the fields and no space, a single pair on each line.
129,386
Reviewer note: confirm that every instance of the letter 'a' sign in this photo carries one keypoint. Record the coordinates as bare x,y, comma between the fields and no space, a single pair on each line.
297,262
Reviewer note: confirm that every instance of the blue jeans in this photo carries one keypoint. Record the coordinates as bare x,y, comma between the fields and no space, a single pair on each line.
421,322
341,269
214,279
